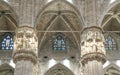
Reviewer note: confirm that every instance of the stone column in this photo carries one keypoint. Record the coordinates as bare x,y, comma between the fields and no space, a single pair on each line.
25,51
92,51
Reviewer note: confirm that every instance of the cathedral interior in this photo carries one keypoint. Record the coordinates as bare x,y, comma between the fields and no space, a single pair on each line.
59,37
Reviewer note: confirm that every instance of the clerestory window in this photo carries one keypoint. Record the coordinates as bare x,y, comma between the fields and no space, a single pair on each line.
110,43
7,42
59,43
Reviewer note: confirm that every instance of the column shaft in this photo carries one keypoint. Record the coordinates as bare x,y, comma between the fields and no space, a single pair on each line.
93,68
24,68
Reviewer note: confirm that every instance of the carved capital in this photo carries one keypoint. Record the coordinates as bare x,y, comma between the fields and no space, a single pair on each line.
25,44
92,44
26,39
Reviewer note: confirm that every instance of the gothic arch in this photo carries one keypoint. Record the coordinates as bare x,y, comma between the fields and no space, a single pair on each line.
41,12
112,5
8,14
112,68
59,69
108,9
6,69
7,6
111,19
55,17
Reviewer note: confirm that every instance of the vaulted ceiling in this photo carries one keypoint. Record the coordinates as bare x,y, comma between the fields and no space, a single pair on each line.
8,21
59,17
111,21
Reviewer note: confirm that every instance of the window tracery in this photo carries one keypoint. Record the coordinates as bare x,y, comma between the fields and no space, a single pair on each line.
59,43
7,42
110,43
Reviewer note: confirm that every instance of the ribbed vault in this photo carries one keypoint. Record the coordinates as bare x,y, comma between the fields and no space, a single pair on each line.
59,17
111,21
8,19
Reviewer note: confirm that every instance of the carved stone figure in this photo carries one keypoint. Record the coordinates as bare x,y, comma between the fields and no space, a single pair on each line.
92,41
26,39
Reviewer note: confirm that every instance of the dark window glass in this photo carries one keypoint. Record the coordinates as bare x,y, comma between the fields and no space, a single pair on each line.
59,43
7,42
110,43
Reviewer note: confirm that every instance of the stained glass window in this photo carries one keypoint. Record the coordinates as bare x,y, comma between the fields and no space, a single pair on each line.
110,43
59,43
7,42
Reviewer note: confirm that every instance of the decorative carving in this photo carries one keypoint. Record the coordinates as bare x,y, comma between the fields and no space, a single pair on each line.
25,47
92,44
26,39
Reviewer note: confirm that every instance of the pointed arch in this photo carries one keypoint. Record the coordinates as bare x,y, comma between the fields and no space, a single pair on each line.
68,15
59,69
12,15
108,9
112,68
6,6
42,11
